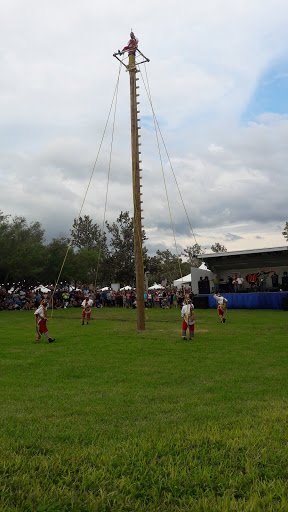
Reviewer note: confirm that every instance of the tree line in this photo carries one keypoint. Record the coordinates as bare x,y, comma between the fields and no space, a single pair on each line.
95,256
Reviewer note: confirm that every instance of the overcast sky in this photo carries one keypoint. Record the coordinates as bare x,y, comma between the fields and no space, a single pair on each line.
218,75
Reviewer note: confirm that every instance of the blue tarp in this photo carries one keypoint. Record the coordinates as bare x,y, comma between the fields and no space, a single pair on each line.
261,300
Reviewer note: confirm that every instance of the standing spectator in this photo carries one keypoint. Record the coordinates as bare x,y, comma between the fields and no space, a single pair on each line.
216,283
150,299
275,282
66,297
175,297
240,283
104,298
230,284
285,281
128,299
235,284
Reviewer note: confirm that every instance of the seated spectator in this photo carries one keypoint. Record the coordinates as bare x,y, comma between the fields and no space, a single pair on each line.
28,305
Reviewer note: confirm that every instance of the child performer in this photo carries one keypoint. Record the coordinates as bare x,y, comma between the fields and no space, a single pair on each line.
188,315
86,305
221,306
41,319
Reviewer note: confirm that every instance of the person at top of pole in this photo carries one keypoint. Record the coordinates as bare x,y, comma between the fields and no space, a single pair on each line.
131,46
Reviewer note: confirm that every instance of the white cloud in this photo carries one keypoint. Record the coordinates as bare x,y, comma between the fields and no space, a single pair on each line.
57,82
213,148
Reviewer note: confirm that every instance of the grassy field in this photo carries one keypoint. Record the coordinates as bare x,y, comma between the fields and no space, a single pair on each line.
108,419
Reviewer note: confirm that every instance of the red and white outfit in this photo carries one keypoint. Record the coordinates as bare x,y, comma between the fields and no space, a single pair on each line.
41,319
86,305
221,305
132,45
187,313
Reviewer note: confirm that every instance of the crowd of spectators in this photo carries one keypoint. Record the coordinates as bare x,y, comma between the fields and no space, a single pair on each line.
27,299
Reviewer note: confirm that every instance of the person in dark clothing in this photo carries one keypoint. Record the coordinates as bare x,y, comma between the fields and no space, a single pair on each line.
275,282
285,282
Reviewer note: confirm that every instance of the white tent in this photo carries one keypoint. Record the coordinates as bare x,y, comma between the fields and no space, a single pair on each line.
156,287
126,288
183,280
105,289
193,278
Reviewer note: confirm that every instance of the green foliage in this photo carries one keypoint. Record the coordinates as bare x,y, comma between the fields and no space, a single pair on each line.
285,232
90,266
110,419
218,247
191,252
88,235
166,265
21,250
56,252
122,249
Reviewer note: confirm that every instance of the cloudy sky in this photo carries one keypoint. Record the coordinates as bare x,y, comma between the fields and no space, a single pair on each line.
218,75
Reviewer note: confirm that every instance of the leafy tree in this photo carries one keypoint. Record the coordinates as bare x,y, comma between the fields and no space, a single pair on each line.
121,267
90,266
55,255
21,250
88,235
285,232
154,267
166,265
122,249
218,247
191,252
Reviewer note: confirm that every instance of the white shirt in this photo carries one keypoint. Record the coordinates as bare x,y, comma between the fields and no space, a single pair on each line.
41,311
186,311
220,300
87,304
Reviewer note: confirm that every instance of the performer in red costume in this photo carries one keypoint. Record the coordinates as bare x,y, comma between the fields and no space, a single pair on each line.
187,313
221,306
132,45
86,305
41,319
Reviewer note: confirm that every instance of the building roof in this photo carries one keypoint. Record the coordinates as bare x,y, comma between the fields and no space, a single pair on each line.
252,258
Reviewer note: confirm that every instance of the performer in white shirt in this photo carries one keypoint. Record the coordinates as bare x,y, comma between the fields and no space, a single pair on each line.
188,315
221,306
41,319
86,305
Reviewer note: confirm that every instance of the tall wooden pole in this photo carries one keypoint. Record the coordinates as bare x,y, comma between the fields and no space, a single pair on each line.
138,254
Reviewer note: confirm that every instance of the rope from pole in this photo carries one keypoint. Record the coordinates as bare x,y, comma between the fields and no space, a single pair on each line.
86,192
108,179
167,154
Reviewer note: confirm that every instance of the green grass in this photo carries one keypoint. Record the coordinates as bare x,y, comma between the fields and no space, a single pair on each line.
109,419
